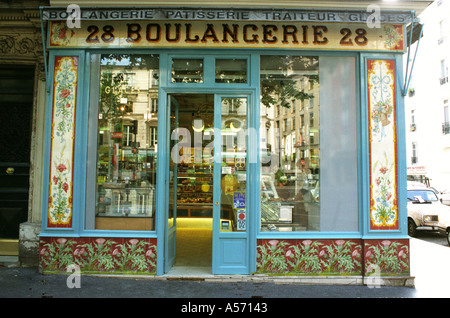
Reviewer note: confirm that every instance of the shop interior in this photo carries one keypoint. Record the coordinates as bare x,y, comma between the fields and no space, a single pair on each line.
191,170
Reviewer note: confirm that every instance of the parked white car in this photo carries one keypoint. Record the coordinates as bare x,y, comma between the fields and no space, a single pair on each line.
425,210
444,222
445,197
422,208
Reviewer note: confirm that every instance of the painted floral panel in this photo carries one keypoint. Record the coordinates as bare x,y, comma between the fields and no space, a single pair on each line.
62,142
98,255
333,257
387,257
382,144
394,37
60,34
309,257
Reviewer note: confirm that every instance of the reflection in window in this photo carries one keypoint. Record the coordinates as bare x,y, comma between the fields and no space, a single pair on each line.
231,71
127,142
187,70
290,156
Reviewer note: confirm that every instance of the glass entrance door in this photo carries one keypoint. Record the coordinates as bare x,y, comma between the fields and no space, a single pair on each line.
230,227
190,179
207,182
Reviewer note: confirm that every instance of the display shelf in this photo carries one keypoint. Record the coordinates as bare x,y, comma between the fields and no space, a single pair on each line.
120,199
194,188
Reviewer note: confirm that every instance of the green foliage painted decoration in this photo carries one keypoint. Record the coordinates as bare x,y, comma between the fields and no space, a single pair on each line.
99,255
332,257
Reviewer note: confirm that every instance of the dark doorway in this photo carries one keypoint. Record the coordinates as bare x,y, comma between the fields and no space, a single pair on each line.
16,102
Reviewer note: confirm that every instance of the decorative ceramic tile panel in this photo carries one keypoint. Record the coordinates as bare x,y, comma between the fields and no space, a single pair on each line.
387,257
62,142
309,257
98,255
333,257
382,145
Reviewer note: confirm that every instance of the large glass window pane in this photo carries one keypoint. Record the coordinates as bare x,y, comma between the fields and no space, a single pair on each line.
290,149
338,144
126,142
309,161
231,71
187,70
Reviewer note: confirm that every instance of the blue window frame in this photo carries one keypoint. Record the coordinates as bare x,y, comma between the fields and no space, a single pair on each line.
209,57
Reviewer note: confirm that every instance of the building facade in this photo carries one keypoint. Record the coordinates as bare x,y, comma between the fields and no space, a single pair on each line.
427,116
22,107
237,140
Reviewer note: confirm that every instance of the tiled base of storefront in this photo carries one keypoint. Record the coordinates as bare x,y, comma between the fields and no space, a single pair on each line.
342,257
98,255
204,275
317,280
341,261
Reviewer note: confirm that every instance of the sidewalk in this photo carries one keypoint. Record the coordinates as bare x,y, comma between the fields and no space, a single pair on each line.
429,266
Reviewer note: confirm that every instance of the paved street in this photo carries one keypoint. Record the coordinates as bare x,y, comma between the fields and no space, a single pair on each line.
18,282
432,237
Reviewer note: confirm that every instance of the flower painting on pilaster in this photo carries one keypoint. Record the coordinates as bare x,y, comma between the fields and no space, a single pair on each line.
382,144
62,142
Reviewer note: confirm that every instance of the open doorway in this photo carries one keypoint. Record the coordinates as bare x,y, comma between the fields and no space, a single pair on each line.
191,175
16,102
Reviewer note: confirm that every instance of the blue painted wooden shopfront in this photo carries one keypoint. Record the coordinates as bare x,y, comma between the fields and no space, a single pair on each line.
363,62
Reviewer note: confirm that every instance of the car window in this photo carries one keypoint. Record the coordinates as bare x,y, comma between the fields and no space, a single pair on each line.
426,195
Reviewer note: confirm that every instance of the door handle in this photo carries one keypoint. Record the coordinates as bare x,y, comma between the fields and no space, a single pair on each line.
217,202
10,170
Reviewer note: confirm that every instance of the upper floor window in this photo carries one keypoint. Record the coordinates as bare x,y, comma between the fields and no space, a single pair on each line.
444,72
446,124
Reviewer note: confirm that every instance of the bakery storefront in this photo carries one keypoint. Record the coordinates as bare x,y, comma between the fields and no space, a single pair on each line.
234,141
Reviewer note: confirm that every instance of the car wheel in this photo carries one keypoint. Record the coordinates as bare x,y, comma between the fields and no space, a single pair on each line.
412,228
448,236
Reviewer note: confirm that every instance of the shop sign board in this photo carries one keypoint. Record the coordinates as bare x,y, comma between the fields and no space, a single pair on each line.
416,170
234,14
228,34
116,135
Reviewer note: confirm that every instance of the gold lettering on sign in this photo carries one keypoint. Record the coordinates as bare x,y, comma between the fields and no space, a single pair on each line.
256,34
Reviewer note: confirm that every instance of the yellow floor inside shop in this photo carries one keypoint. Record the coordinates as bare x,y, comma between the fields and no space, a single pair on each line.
194,242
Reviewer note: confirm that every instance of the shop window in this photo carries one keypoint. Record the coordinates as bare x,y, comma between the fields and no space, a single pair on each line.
309,180
123,142
231,71
187,70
